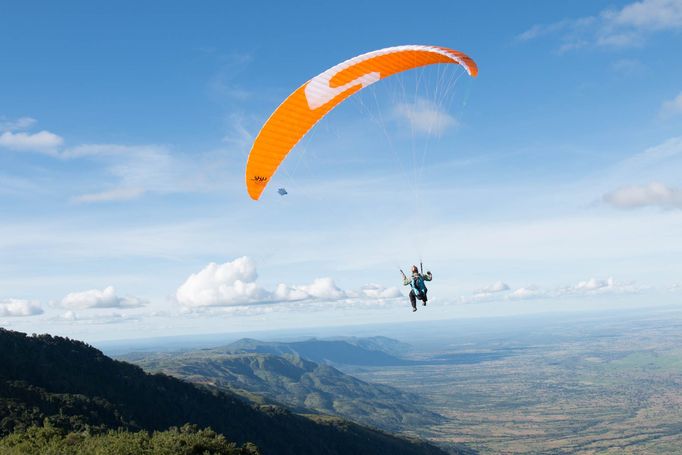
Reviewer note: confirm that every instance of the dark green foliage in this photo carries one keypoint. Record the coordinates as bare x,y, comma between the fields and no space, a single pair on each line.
187,440
77,388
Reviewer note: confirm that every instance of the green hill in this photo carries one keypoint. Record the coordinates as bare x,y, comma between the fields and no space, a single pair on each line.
73,386
299,384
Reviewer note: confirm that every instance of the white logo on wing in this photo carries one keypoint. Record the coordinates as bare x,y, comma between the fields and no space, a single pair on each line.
318,92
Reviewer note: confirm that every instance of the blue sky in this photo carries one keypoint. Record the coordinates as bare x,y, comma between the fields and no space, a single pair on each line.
553,184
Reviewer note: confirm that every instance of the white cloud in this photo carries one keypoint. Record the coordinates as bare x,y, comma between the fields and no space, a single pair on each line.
498,286
21,123
231,283
593,284
43,141
19,307
377,291
625,27
425,116
320,288
655,194
601,286
69,316
526,293
95,298
590,287
672,107
648,15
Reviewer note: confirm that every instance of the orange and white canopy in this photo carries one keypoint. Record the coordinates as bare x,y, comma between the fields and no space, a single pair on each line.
314,99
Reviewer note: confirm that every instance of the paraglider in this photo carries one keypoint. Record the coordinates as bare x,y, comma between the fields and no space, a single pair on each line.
314,99
308,104
416,281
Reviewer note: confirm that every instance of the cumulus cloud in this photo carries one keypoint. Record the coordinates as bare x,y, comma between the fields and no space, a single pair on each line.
94,298
672,107
655,194
498,286
234,284
625,27
425,116
231,283
19,307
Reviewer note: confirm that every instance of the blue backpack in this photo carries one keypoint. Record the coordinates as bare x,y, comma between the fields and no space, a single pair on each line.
419,286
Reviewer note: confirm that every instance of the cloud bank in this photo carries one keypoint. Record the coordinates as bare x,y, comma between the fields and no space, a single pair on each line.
235,284
591,287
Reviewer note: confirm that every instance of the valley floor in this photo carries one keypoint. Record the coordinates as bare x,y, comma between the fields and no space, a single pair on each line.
601,385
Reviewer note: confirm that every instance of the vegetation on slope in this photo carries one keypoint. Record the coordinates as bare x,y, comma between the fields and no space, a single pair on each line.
75,388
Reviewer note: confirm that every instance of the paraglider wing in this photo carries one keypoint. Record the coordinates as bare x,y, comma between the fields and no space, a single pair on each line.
314,99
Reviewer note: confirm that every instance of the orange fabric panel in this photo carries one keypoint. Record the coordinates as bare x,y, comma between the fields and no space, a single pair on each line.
314,99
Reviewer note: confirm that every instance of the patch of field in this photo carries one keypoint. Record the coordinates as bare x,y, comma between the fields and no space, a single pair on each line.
579,391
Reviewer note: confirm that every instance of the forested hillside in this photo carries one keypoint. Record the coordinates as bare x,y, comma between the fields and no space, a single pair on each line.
74,387
298,383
